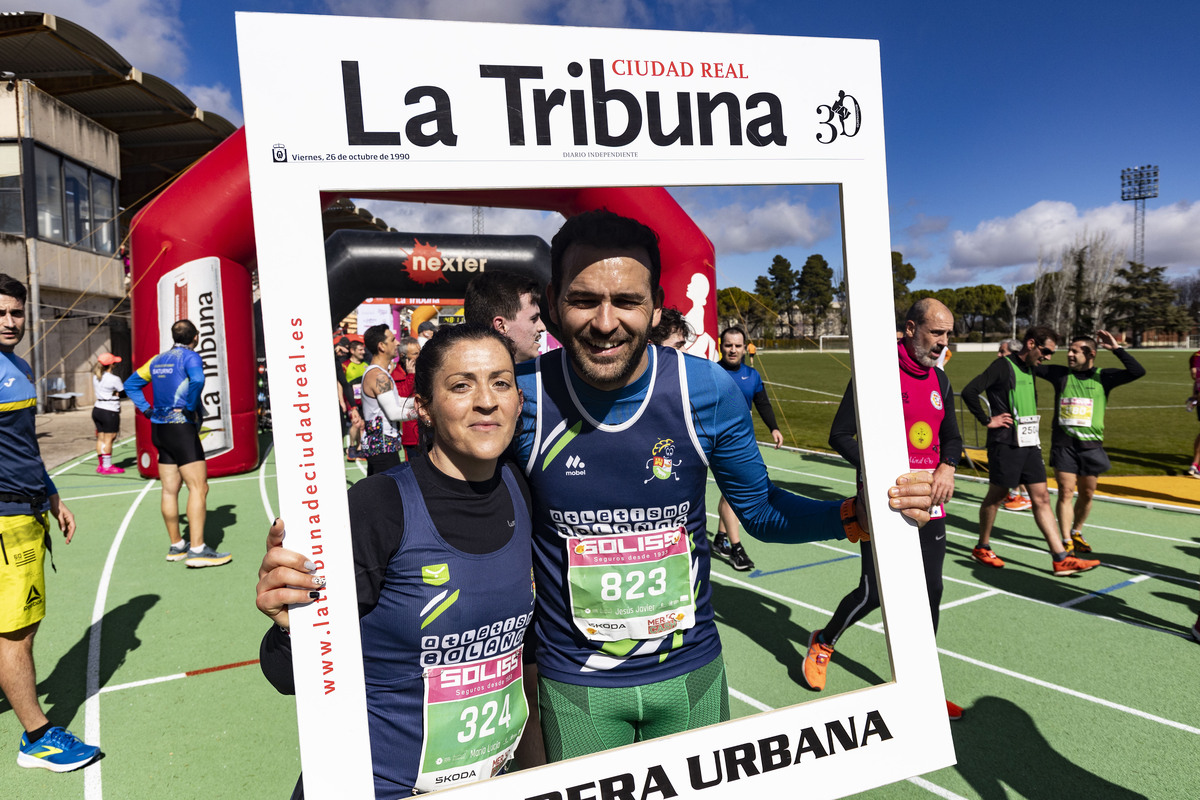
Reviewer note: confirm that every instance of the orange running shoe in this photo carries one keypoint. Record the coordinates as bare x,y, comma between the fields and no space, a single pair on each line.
1018,503
816,662
1070,565
985,556
954,710
1080,544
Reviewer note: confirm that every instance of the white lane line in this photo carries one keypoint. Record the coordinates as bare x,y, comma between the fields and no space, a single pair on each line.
838,395
92,786
921,782
147,682
1091,698
1092,527
963,601
211,482
83,458
976,662
262,486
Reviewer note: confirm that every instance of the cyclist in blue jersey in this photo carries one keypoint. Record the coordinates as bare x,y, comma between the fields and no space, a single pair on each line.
27,494
617,439
176,379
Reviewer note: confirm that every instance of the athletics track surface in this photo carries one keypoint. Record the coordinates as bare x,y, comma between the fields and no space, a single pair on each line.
1086,686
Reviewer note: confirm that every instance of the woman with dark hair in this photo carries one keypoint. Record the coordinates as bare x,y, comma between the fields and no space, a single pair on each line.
443,566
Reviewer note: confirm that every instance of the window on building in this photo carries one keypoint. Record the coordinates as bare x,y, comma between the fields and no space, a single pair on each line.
10,189
76,191
75,205
47,170
104,214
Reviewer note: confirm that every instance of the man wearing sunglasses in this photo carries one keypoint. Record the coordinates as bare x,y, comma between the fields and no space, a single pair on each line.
1014,446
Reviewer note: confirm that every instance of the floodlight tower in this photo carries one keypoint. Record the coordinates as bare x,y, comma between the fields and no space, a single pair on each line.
1137,184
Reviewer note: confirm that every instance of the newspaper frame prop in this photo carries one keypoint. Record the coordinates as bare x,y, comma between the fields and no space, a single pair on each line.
432,107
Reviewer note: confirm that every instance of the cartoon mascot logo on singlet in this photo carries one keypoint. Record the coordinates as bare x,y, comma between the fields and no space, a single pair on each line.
660,463
920,435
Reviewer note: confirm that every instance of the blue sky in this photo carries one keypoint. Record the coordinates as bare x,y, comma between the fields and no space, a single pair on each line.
1008,124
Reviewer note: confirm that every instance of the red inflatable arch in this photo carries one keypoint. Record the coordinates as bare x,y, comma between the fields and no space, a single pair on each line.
193,252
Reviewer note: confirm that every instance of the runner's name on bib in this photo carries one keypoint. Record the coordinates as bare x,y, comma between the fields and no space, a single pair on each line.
474,714
1027,431
631,585
1075,412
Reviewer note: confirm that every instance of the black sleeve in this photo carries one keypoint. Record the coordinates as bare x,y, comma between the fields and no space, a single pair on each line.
1054,374
949,439
376,530
843,434
978,385
275,660
763,405
1112,378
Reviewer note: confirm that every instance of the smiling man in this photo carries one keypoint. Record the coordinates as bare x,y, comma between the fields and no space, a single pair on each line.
1077,443
617,438
1014,446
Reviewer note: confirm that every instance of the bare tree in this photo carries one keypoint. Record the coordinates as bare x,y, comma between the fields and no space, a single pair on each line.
1074,289
1010,297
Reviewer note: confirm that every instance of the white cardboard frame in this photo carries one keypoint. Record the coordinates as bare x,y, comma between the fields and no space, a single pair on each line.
294,101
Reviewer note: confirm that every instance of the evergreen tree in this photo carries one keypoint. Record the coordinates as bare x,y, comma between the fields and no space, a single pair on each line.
814,290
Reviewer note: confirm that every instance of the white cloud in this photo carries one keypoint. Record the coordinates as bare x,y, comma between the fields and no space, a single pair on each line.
149,34
737,229
1044,227
216,99
1172,234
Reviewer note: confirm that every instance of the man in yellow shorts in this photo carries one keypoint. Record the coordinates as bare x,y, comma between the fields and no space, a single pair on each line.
26,495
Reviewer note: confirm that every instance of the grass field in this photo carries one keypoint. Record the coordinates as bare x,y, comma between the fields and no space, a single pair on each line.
1147,430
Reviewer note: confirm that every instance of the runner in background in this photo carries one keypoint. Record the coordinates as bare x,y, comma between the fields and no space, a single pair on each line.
728,540
1018,496
1077,441
404,376
176,378
672,330
355,366
1194,405
934,444
106,411
1014,446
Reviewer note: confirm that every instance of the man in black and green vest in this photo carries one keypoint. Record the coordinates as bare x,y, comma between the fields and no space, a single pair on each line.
1077,441
1014,446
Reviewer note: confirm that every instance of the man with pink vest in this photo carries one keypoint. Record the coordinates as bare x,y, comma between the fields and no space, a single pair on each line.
934,444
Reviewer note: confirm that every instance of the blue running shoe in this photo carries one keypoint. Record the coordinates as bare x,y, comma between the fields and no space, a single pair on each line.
207,558
59,751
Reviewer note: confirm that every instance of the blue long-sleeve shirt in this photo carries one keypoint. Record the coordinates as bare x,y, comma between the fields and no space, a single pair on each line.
21,469
176,379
